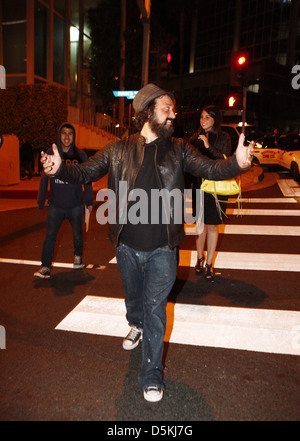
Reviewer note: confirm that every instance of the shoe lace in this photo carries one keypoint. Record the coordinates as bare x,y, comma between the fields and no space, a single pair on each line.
133,333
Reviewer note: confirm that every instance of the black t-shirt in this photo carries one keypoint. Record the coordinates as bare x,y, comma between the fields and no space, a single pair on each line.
146,234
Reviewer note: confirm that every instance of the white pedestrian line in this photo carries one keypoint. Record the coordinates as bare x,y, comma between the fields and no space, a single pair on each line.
256,212
262,330
266,230
246,261
266,200
261,212
55,264
289,187
34,262
225,260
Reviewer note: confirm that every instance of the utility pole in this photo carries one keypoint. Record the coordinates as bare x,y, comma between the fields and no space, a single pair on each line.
145,8
122,66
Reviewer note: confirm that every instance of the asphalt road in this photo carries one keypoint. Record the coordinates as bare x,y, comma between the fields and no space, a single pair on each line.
52,374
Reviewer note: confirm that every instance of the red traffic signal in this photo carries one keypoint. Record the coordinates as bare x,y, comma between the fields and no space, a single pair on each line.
231,101
239,68
165,65
234,100
241,60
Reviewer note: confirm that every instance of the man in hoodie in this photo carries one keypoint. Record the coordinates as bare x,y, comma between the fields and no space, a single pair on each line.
65,202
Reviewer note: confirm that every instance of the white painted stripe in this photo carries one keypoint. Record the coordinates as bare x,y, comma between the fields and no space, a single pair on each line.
272,331
34,262
266,200
247,261
225,260
289,187
258,212
266,230
56,264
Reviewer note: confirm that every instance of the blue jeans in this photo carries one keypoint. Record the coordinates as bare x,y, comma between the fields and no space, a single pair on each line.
147,279
55,218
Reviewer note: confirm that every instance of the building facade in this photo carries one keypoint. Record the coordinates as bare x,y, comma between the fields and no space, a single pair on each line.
269,30
47,41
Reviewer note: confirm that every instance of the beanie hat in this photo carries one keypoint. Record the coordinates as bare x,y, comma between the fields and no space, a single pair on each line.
148,94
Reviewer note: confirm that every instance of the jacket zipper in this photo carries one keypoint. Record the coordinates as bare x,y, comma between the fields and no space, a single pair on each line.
133,184
161,187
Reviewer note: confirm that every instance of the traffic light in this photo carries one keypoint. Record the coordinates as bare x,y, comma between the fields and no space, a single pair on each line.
231,101
239,68
165,65
234,100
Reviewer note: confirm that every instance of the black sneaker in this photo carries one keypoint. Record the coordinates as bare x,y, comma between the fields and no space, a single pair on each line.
78,262
153,394
43,273
133,338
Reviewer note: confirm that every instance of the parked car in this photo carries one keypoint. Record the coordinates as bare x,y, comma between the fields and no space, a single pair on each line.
234,131
267,150
283,151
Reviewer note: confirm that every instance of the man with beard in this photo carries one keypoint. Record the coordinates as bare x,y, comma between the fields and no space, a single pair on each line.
147,252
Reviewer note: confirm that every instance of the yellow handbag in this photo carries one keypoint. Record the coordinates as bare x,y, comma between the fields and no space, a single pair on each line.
229,187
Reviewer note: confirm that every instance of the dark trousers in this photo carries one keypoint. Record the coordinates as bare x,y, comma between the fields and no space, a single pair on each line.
55,218
147,279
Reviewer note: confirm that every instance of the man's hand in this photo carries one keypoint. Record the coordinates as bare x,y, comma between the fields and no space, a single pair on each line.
244,154
51,163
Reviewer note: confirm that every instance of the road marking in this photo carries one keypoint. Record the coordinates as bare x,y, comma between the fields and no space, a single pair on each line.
256,212
267,230
266,200
262,330
55,264
34,262
260,212
289,187
245,261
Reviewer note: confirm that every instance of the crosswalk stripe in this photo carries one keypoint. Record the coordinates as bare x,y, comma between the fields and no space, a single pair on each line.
34,262
266,200
55,264
289,187
256,212
246,261
261,330
267,230
260,212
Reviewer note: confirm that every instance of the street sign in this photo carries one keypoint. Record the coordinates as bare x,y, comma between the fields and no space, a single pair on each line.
129,94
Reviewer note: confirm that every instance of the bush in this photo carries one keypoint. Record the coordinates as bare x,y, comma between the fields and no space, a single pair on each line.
33,113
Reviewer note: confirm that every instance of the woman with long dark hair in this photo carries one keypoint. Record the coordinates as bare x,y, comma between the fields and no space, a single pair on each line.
212,142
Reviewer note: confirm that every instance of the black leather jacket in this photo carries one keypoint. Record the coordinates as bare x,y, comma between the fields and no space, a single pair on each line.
122,160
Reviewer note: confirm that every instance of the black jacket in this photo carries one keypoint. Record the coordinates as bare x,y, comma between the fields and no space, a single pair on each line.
122,159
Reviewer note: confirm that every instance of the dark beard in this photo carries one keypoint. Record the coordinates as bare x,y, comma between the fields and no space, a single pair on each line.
161,130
